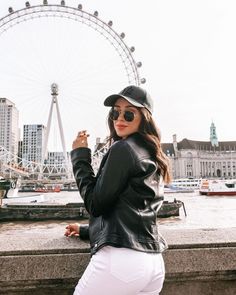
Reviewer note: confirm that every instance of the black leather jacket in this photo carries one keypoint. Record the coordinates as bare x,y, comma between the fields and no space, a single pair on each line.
123,198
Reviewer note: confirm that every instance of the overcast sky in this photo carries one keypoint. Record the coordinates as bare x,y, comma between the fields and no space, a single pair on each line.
188,52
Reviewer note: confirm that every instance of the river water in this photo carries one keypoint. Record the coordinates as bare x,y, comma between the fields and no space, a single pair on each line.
202,211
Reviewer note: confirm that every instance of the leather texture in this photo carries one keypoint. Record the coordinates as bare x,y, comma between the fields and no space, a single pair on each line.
123,198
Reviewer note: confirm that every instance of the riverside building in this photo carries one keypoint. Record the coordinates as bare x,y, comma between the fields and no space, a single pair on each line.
202,159
195,159
9,125
56,158
33,140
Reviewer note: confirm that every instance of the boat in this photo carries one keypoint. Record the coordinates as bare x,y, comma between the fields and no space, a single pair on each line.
43,189
170,208
70,187
218,187
71,211
32,211
32,198
39,188
204,187
169,188
6,185
187,183
26,189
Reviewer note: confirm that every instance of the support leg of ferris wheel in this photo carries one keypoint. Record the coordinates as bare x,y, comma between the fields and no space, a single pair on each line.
54,93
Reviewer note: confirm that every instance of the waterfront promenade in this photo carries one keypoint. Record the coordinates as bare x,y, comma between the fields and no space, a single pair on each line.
36,258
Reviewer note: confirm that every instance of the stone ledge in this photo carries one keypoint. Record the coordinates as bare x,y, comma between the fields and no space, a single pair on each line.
36,258
181,265
39,287
200,260
48,237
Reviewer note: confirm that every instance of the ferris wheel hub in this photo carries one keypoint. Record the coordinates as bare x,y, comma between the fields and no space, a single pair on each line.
92,20
54,88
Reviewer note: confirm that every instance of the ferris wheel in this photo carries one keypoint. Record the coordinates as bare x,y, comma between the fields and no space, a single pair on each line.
55,43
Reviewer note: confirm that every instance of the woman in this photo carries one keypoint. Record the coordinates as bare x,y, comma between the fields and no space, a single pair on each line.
123,200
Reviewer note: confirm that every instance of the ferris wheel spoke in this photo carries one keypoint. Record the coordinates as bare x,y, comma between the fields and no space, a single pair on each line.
98,71
92,58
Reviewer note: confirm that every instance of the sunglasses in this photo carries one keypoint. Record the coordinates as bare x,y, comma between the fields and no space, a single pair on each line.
128,115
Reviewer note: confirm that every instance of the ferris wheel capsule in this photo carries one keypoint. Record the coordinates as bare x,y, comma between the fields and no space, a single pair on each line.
85,18
13,184
105,29
143,81
54,88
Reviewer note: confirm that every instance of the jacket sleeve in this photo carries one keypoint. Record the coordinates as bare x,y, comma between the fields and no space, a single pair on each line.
84,231
101,193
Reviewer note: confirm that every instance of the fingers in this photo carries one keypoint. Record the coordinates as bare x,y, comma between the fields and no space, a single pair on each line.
81,139
82,134
73,233
72,230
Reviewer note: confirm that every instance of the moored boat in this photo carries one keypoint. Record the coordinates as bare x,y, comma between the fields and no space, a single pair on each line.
168,189
186,183
40,189
55,189
169,209
6,185
33,211
204,187
218,187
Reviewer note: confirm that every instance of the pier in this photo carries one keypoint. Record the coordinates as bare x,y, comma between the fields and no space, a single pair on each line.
36,258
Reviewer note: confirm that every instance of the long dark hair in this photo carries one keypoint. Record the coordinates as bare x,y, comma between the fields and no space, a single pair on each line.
151,135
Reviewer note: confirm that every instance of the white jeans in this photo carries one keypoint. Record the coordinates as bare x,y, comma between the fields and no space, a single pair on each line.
122,271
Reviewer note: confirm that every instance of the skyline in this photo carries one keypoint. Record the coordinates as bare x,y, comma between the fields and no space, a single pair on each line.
186,49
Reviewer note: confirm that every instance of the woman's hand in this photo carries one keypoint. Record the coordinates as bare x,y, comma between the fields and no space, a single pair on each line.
72,230
81,140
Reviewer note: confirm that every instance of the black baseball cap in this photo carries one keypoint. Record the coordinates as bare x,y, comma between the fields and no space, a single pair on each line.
136,95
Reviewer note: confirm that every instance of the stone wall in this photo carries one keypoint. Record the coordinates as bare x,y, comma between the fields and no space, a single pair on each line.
35,258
